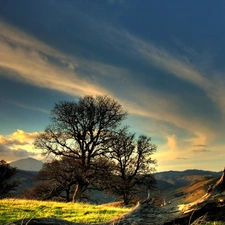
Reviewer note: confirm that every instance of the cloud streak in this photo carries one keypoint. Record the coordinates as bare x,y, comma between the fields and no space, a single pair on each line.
181,158
29,60
25,106
176,65
200,150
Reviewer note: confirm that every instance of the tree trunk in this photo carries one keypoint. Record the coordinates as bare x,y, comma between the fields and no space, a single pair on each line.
75,193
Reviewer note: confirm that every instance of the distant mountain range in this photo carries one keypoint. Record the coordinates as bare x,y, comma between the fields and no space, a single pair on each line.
28,164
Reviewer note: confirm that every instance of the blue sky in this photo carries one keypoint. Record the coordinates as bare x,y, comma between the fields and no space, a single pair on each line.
162,60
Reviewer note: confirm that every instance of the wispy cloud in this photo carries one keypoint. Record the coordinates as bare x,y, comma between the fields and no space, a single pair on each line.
179,66
201,145
167,107
186,49
181,158
200,150
172,63
29,60
168,62
25,106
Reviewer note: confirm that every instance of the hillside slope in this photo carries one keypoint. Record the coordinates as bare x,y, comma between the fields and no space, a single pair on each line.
186,186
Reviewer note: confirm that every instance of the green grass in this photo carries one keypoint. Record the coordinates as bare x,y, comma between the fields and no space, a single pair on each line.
16,209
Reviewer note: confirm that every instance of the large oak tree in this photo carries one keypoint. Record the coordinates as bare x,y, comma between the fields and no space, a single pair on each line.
82,129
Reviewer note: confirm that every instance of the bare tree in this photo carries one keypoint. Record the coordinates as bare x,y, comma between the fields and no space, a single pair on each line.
62,175
43,190
6,172
81,129
133,164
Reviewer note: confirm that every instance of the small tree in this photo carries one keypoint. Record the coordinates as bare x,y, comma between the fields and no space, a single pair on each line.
82,129
62,174
6,172
43,190
133,165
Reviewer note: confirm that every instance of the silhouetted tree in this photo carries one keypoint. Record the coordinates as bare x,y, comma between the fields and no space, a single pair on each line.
6,172
133,164
63,174
59,178
82,129
43,190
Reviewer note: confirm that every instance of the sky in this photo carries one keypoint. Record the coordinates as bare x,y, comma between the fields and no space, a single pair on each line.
162,60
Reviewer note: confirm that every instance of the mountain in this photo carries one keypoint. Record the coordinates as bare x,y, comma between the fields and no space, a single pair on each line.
28,164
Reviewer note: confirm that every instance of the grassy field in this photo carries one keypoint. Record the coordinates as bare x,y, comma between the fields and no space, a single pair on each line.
16,209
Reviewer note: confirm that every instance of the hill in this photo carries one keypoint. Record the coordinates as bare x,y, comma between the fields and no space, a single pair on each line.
185,186
28,164
177,179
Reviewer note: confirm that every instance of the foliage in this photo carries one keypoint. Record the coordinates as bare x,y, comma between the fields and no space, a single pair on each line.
16,209
6,172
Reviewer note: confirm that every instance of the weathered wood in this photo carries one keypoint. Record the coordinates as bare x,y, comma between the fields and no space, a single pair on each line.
211,205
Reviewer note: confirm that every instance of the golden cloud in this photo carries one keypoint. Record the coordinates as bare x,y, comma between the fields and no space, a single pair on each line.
18,138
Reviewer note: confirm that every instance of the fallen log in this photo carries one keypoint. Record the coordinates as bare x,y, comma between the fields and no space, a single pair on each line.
210,206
